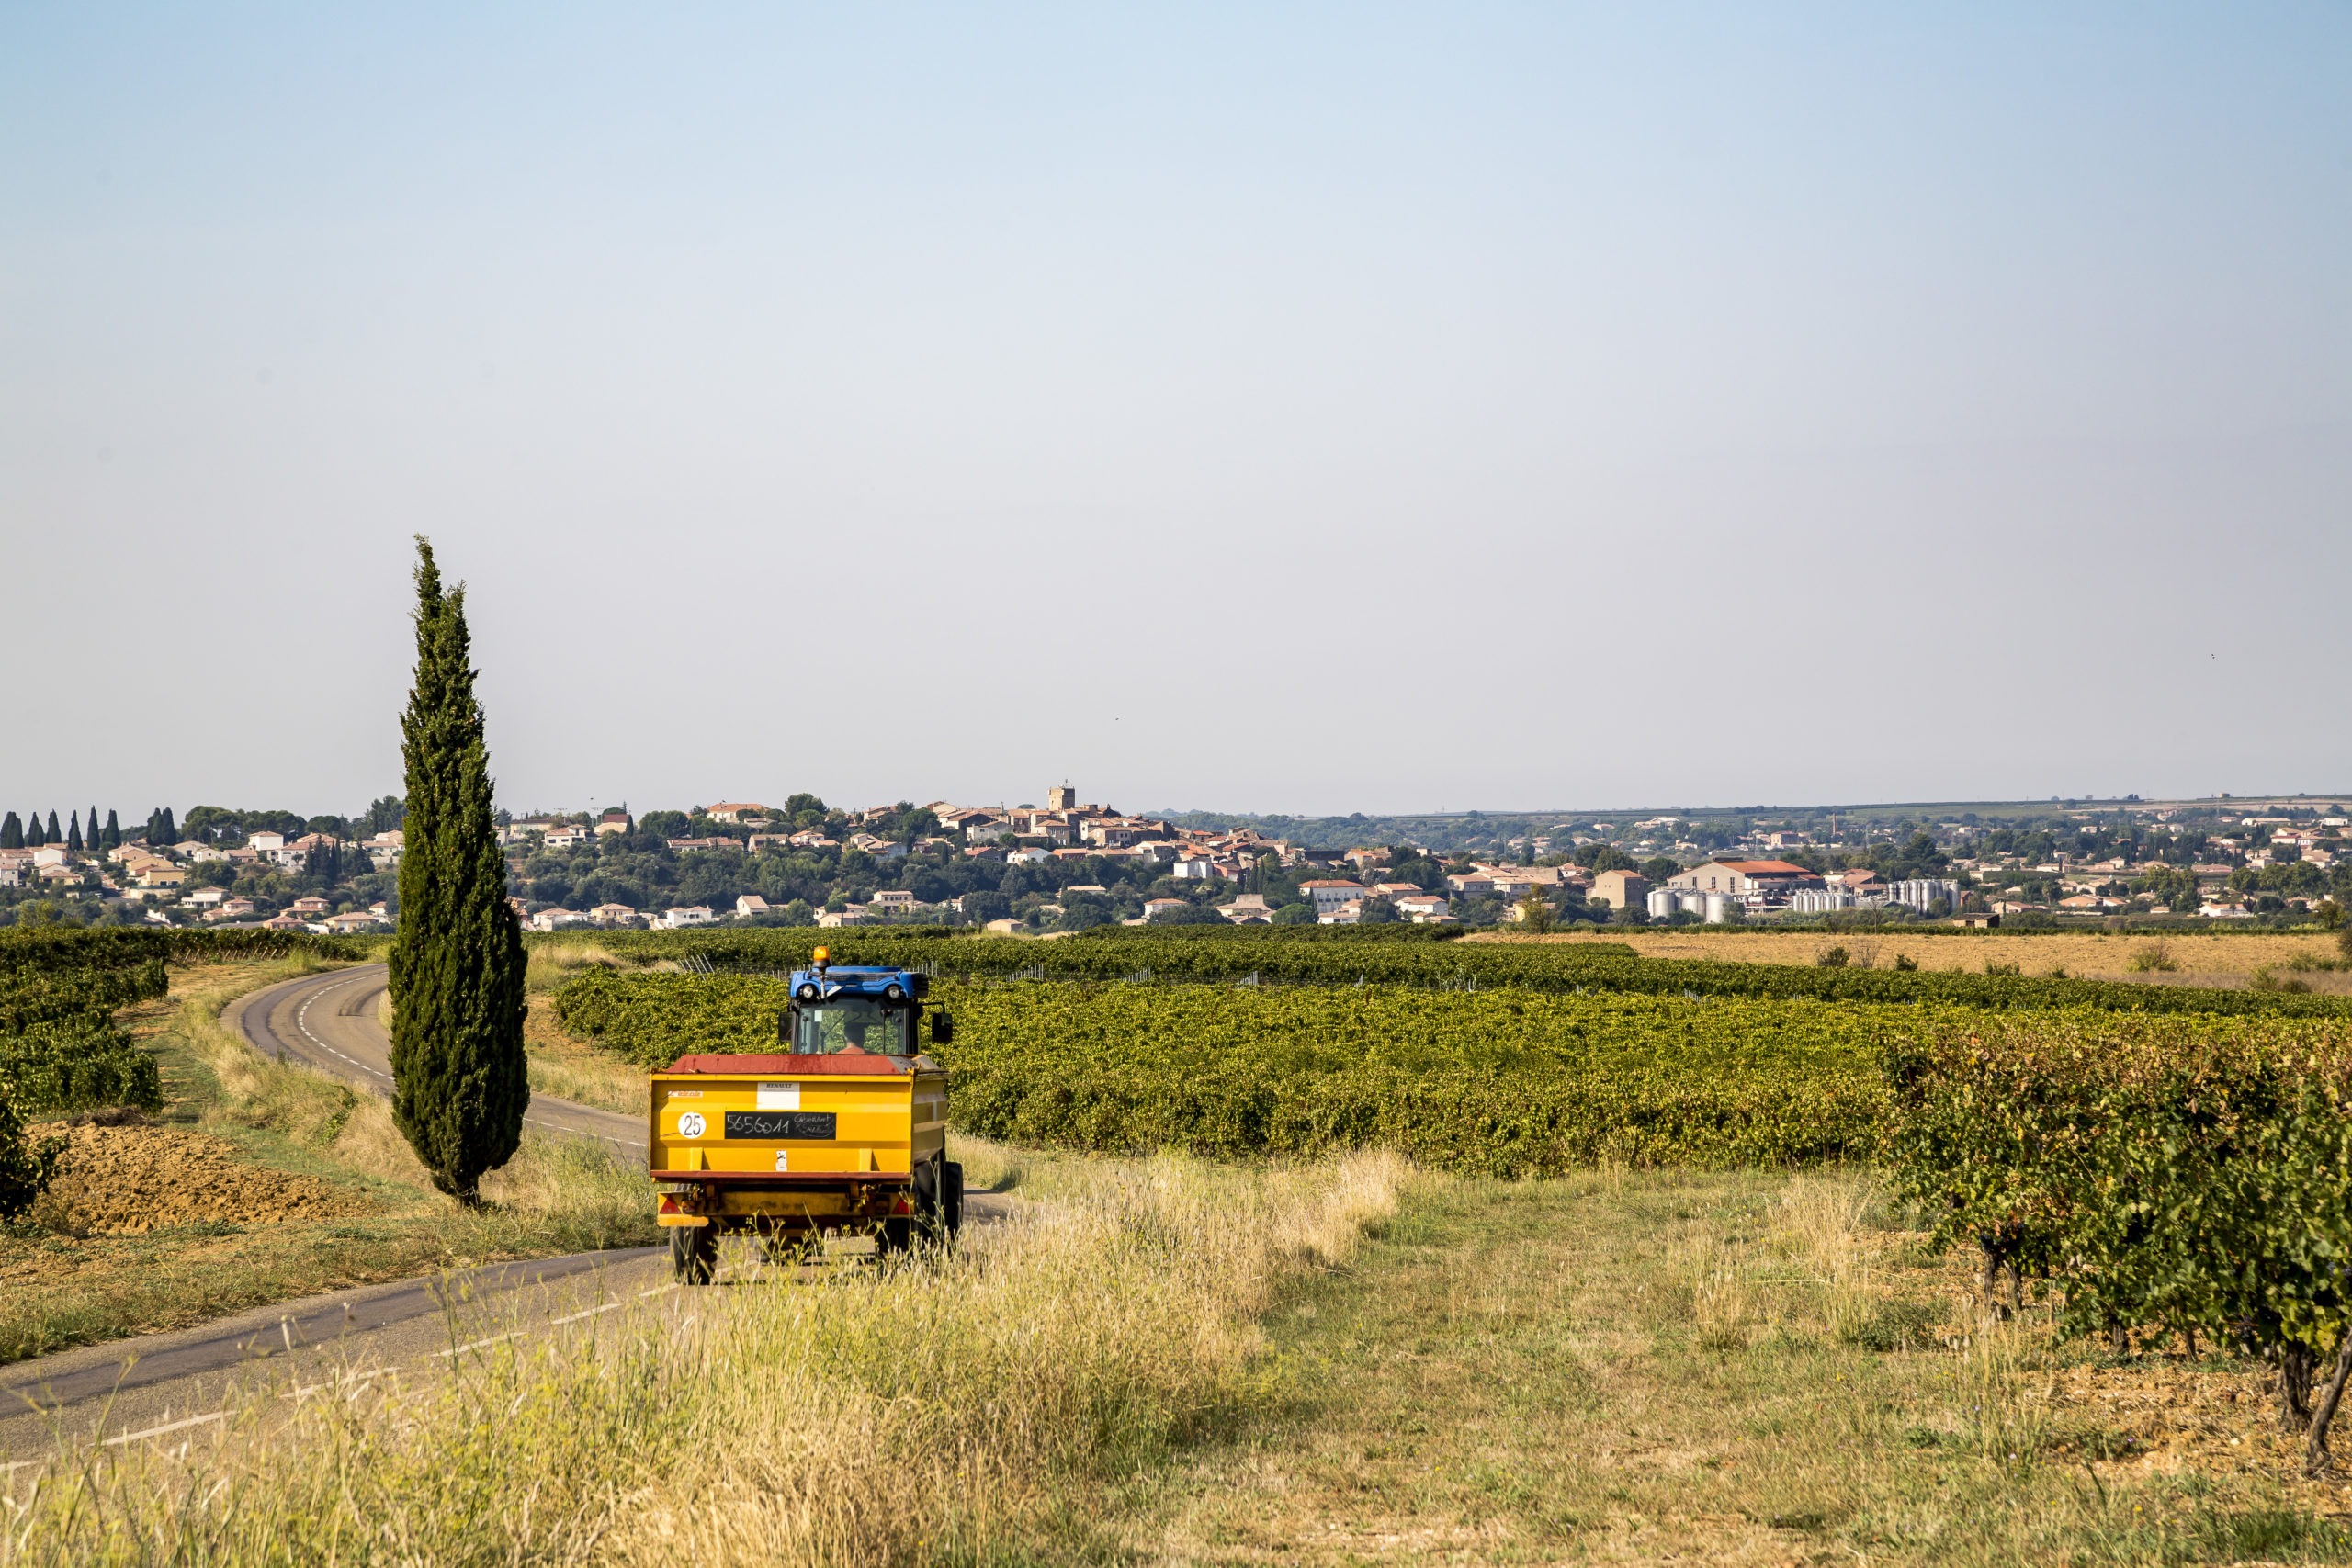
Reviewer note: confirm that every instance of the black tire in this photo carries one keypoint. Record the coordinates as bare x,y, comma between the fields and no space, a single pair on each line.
929,1182
951,1196
898,1233
694,1254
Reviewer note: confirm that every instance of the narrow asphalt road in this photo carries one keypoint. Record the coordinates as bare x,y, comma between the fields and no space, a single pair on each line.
175,1387
329,1022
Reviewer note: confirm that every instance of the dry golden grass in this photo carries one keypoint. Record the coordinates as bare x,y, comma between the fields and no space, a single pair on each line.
2201,957
577,1070
1743,1368
953,1407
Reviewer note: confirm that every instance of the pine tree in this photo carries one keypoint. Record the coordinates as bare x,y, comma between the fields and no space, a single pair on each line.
114,831
12,832
74,833
459,1079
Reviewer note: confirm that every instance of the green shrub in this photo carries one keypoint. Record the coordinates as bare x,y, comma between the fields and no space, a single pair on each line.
79,1064
2164,1173
26,1167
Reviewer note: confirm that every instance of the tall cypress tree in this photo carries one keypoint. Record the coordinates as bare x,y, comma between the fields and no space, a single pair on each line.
171,828
54,836
114,830
91,835
12,832
459,1079
74,831
33,839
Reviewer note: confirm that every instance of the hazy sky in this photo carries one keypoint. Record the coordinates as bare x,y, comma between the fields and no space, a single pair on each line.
1245,408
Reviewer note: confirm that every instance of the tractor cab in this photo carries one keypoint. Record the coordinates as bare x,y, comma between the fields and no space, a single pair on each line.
856,1010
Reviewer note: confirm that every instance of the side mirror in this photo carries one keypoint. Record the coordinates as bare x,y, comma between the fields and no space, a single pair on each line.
943,1029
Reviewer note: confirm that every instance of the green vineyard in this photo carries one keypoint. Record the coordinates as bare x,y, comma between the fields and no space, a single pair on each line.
60,1047
1343,955
2174,1177
1493,1083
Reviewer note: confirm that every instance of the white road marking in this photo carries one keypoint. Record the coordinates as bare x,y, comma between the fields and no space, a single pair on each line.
302,1022
494,1339
575,1317
166,1427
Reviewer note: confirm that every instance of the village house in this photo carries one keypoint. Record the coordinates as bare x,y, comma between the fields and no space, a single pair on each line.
854,915
688,915
735,811
1251,908
893,901
1152,907
748,905
613,915
1327,894
1619,889
612,822
1422,909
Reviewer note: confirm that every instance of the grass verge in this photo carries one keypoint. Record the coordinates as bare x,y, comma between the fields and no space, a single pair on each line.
1728,1368
964,1408
91,1265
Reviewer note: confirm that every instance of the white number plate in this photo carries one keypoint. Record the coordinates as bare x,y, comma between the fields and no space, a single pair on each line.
778,1097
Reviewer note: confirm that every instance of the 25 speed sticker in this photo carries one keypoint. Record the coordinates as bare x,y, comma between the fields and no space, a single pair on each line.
691,1124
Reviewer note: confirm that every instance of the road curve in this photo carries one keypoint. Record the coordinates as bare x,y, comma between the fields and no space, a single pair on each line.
329,1022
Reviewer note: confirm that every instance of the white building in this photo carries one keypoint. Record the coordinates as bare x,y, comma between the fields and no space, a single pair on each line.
1328,896
688,915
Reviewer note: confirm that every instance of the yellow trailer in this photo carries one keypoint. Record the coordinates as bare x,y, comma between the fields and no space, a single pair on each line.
844,1132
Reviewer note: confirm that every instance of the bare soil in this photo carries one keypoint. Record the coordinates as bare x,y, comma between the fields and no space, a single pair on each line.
130,1181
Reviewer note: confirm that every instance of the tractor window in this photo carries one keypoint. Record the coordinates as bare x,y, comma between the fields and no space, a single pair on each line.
852,1021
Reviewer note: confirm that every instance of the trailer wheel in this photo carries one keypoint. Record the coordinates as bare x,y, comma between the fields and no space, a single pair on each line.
898,1233
930,1190
694,1254
951,1196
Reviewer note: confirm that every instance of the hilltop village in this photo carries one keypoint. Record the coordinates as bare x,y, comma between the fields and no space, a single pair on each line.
1073,865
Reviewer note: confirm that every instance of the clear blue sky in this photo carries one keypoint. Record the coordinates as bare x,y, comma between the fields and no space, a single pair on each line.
1250,408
